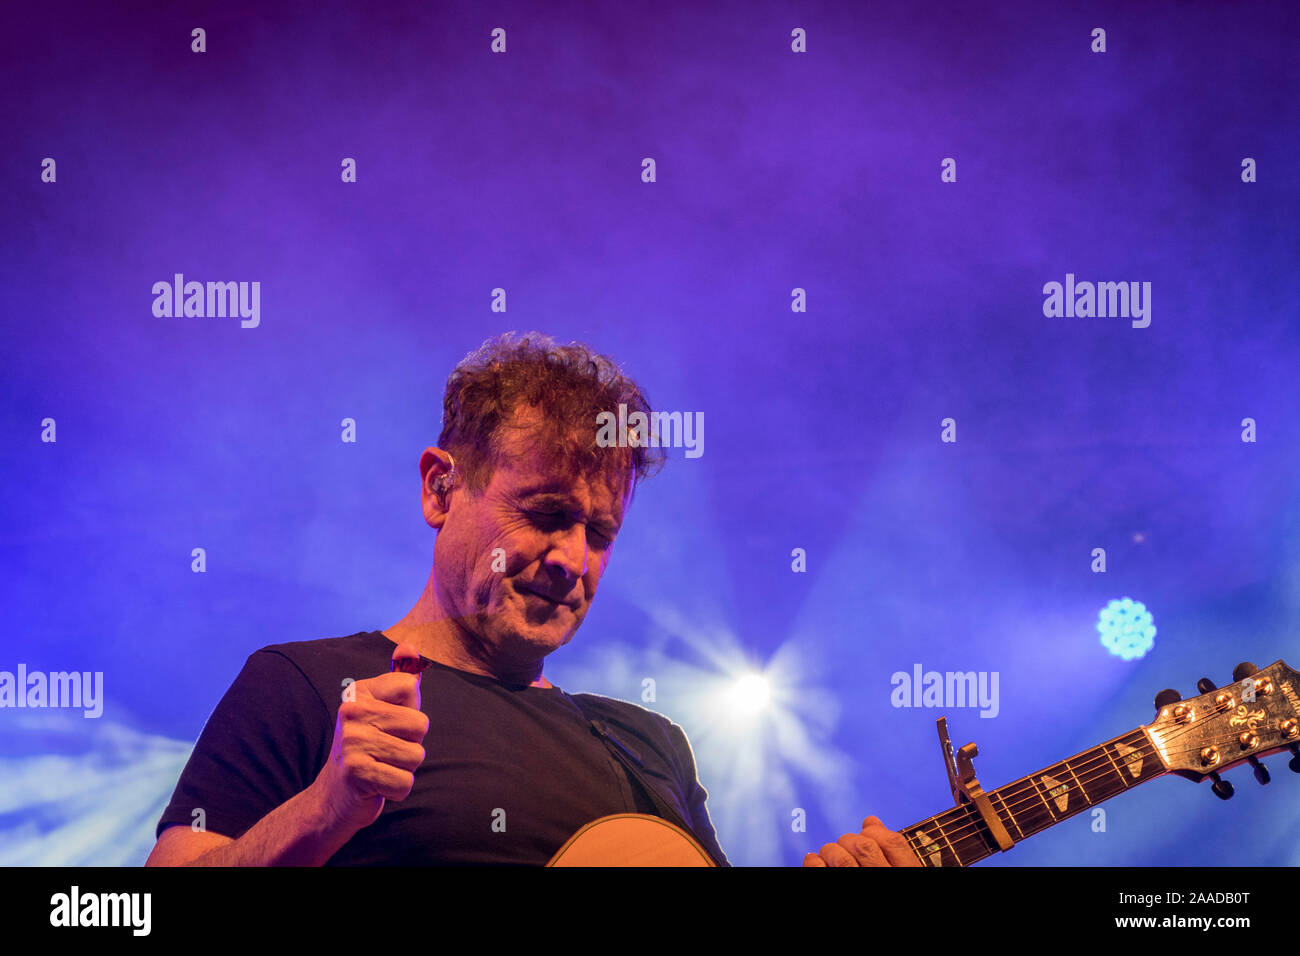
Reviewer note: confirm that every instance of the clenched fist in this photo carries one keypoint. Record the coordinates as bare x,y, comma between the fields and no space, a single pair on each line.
874,846
376,748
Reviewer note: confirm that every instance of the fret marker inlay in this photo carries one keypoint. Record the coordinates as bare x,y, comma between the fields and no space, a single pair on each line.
1131,758
930,849
1056,790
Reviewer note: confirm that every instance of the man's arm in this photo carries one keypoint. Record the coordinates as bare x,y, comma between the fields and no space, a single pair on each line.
296,833
374,755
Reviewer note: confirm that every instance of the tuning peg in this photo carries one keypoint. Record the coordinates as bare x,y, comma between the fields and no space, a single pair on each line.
1222,789
1166,697
1261,772
1243,670
1205,685
1294,762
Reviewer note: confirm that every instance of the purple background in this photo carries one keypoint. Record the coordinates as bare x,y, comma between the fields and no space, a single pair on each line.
775,171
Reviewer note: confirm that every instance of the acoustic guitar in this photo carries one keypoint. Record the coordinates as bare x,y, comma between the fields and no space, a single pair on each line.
1257,715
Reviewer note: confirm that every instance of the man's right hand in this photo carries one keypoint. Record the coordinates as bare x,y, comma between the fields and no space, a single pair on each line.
373,758
376,749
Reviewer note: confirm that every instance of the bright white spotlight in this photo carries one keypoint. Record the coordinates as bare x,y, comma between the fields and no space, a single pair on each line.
749,695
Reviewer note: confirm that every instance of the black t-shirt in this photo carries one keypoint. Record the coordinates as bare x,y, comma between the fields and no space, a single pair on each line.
510,771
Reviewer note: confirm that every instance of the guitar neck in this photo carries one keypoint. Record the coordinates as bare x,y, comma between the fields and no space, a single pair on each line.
959,837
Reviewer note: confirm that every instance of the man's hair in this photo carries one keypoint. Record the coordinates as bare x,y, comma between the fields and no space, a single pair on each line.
569,384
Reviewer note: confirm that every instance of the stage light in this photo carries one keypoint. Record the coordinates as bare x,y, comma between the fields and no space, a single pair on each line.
1126,628
761,728
749,695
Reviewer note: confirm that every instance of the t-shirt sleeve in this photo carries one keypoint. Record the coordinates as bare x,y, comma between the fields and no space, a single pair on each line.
264,743
696,795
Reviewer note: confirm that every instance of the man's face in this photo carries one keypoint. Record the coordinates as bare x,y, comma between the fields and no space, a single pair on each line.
517,564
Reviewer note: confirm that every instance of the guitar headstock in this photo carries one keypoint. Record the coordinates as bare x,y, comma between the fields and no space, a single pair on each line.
1256,715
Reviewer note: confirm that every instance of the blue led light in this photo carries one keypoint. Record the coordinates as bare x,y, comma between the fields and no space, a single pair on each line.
1126,628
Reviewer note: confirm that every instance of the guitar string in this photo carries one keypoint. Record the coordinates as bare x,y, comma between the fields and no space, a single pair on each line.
955,832
1083,774
974,823
962,830
1103,758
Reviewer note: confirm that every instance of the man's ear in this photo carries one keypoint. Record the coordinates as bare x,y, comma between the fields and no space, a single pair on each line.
437,480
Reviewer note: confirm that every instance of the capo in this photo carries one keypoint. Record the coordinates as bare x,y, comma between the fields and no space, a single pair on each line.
966,787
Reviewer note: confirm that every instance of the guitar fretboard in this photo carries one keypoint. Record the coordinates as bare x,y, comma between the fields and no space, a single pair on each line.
959,836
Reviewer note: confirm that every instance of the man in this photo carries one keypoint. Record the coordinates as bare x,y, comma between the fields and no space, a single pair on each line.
310,758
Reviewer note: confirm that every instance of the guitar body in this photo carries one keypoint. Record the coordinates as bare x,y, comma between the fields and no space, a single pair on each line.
631,839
